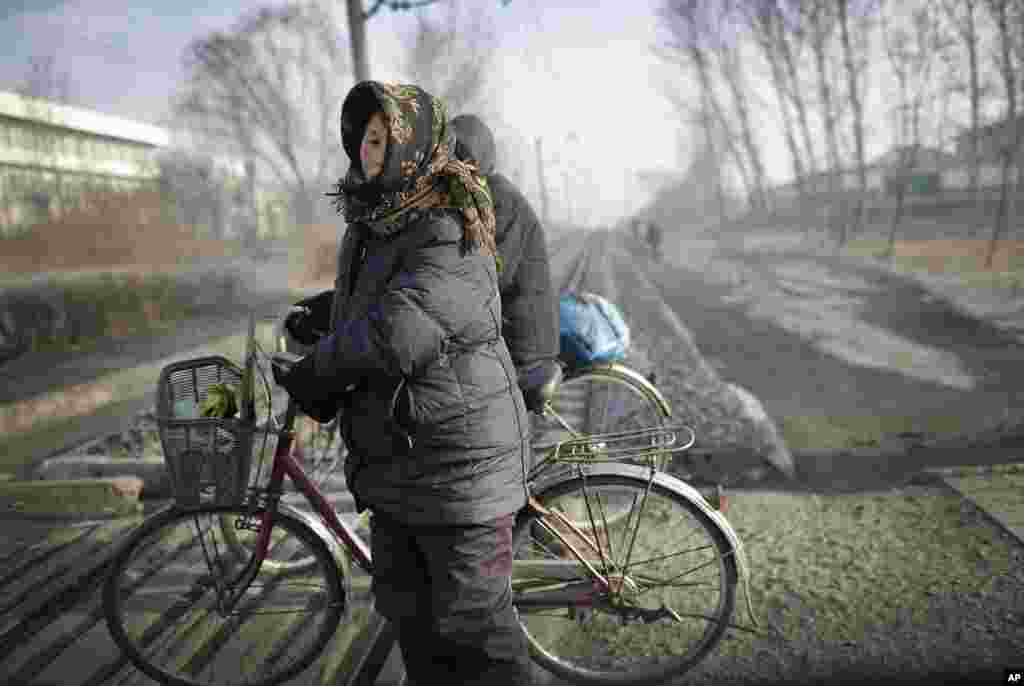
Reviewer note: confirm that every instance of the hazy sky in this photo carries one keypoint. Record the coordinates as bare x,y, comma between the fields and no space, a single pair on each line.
579,76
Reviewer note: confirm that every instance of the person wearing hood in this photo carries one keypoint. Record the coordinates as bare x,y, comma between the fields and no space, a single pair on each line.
436,426
654,239
528,298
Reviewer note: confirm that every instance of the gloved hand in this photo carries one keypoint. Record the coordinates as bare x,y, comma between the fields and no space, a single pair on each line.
315,398
310,319
534,381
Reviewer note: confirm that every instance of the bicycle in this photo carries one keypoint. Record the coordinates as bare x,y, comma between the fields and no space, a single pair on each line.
599,398
594,595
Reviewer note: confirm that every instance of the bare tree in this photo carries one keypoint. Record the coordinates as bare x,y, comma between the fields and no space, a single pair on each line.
820,19
852,19
451,57
793,40
1004,13
963,18
690,25
269,91
912,54
44,87
715,149
358,17
764,18
43,79
193,190
726,49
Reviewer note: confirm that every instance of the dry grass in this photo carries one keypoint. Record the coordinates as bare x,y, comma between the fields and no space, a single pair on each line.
845,581
111,230
949,255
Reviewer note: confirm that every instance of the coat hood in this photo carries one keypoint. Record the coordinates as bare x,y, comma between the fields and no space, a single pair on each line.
474,141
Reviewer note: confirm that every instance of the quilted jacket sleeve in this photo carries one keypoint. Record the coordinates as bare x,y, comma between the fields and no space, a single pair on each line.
404,331
529,303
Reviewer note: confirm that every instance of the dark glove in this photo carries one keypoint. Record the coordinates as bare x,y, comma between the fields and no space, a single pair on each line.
538,380
310,319
314,397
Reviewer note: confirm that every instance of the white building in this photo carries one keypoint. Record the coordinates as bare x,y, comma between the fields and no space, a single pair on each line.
50,153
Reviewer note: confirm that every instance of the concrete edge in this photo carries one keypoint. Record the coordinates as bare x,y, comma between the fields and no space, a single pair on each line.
994,518
73,499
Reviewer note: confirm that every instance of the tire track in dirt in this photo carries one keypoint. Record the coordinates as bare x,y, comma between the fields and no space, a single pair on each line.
726,416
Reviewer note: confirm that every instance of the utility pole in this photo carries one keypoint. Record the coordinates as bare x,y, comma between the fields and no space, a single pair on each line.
357,35
545,204
568,199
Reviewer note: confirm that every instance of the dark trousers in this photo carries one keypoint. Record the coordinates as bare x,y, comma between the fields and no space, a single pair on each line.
447,589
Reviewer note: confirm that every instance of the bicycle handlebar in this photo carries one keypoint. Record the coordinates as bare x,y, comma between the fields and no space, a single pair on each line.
284,361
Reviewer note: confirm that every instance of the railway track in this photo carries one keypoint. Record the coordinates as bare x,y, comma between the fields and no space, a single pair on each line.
53,633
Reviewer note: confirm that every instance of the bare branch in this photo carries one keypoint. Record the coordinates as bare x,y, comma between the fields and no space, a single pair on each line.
452,57
269,90
373,10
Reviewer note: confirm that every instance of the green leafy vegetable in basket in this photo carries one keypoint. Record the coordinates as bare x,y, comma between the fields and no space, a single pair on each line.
220,402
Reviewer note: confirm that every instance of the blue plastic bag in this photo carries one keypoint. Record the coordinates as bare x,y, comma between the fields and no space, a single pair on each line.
591,330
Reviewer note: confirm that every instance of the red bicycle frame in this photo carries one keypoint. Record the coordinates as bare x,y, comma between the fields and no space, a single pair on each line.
285,465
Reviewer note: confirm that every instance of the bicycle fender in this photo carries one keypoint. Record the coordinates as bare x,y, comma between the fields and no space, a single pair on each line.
630,374
320,529
671,483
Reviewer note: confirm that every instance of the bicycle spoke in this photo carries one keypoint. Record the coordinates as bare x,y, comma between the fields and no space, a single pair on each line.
172,617
670,582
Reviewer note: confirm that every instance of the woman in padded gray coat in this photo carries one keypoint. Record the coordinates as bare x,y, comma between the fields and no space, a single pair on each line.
430,409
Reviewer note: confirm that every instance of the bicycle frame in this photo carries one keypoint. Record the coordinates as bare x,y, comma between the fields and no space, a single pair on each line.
574,591
285,465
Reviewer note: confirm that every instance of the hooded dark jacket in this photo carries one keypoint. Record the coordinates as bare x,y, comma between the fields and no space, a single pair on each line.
433,418
528,299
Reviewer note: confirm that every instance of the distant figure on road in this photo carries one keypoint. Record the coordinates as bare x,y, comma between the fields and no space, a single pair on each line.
635,225
528,299
654,237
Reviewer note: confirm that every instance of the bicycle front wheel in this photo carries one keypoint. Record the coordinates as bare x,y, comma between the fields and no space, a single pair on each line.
321,452
670,568
164,602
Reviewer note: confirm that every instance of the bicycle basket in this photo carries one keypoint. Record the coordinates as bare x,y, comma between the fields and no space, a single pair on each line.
208,460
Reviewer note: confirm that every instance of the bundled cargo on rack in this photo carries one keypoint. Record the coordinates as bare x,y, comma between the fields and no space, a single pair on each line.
591,330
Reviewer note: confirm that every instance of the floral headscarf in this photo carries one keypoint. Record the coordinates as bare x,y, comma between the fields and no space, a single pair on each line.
420,168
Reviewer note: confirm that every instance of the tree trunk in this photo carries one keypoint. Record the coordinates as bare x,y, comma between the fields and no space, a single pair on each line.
709,133
799,104
1009,147
858,113
711,102
770,40
791,143
1001,219
831,134
975,93
357,37
897,217
732,78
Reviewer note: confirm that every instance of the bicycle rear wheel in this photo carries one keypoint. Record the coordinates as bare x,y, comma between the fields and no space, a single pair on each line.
600,399
162,599
672,570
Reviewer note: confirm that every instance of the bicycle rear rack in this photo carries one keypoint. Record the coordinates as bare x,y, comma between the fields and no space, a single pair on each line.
640,444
